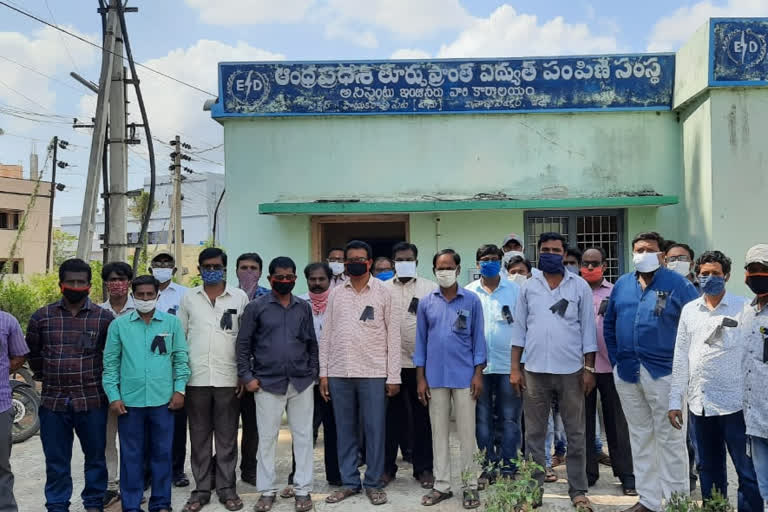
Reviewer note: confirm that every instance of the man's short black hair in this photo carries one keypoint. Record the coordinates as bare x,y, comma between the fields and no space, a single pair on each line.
250,256
358,244
162,255
516,260
456,257
333,249
281,262
120,268
210,253
405,246
649,236
74,265
546,237
672,245
714,257
488,250
599,249
145,280
575,252
384,258
319,265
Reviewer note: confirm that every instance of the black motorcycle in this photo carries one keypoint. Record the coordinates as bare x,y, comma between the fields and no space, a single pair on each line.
25,404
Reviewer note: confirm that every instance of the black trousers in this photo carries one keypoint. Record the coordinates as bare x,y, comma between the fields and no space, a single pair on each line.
399,408
179,442
323,415
249,442
616,431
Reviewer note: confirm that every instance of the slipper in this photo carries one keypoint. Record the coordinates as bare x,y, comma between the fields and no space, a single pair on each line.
435,497
427,480
376,496
471,499
264,504
582,503
287,493
233,503
303,503
341,495
630,491
550,476
196,502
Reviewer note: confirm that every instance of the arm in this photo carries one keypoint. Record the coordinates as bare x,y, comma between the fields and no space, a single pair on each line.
112,357
393,341
479,347
588,326
180,358
183,314
609,326
311,337
17,347
520,325
35,344
325,338
680,370
420,343
248,326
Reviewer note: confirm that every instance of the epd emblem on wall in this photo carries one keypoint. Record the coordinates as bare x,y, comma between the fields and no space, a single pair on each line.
746,48
247,89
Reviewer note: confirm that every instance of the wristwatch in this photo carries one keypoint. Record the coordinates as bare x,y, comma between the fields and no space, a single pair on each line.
589,369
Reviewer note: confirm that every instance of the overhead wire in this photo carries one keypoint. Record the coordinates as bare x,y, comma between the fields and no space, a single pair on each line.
63,42
36,71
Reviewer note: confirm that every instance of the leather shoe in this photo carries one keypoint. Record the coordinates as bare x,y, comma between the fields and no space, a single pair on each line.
638,507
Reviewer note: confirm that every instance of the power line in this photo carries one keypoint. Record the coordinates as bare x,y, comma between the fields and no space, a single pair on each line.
84,40
24,96
33,70
217,146
63,42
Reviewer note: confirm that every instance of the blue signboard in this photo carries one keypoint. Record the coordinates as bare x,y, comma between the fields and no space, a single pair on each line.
615,82
738,49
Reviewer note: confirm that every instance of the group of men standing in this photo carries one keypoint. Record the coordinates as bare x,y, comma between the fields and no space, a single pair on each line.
380,356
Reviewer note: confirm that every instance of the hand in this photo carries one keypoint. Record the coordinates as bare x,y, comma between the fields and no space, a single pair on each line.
588,382
324,391
422,391
253,386
239,390
392,389
118,407
177,401
476,386
517,380
676,418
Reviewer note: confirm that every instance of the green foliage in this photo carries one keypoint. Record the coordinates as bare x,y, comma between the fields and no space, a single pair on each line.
64,245
195,280
522,492
684,503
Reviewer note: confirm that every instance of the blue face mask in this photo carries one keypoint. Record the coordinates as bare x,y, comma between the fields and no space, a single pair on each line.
212,276
712,285
551,263
386,275
490,268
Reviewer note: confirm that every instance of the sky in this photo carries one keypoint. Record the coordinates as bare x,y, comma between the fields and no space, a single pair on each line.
187,38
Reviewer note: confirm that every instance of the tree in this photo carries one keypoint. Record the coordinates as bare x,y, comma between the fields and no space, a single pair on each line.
64,245
136,209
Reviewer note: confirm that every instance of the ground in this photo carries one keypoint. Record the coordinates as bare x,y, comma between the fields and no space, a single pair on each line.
404,493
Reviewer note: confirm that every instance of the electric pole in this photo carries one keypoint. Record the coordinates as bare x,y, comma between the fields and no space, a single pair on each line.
56,144
177,243
118,156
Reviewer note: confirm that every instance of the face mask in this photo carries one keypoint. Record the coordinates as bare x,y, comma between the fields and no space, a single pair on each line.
75,295
162,274
592,275
758,283
212,276
551,263
319,300
490,268
520,279
386,275
446,278
712,285
283,287
337,267
145,306
681,267
646,262
118,288
357,269
249,280
572,268
405,268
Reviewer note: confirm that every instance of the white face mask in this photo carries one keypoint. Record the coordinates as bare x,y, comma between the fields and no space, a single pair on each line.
446,278
145,306
337,267
681,267
162,274
646,261
520,279
405,268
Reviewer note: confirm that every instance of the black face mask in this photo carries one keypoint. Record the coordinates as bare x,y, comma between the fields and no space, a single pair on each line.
283,287
758,284
75,295
357,269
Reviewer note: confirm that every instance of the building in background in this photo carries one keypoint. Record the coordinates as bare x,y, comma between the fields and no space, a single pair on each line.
32,247
200,194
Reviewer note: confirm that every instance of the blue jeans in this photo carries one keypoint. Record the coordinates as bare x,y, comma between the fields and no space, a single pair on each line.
712,435
499,406
360,402
148,429
759,447
556,432
57,431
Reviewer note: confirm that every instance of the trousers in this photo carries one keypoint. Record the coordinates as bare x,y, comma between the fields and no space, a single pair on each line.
440,416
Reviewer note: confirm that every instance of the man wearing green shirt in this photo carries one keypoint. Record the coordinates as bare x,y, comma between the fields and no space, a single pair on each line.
145,373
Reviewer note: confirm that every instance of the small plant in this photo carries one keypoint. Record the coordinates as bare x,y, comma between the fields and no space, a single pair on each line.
684,503
521,493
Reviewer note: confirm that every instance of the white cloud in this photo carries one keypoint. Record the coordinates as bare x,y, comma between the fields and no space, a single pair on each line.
410,53
342,32
505,33
671,31
247,12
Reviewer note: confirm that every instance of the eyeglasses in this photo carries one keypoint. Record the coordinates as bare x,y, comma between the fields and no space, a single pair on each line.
490,258
255,268
670,259
284,277
212,267
591,264
336,260
162,264
357,260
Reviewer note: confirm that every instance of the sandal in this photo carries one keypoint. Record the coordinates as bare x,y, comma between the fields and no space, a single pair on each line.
630,491
196,502
558,460
550,476
471,499
483,481
233,503
427,480
376,496
264,504
303,503
287,493
341,495
435,497
582,503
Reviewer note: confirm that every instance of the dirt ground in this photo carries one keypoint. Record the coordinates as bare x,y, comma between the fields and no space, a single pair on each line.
404,493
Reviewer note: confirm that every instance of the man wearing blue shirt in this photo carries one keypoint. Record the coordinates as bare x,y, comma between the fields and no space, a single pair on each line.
640,327
499,407
554,322
450,355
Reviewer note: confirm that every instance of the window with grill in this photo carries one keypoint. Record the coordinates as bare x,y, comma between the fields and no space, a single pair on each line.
582,229
13,268
9,219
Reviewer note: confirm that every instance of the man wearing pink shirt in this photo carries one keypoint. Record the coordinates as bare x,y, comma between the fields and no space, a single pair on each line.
592,268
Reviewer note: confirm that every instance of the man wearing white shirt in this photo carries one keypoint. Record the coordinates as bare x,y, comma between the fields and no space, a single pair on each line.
707,368
211,315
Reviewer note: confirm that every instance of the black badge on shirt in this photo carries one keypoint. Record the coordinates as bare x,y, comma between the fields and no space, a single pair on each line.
461,320
730,322
367,314
603,307
159,344
172,311
506,314
661,303
226,319
414,305
559,307
764,332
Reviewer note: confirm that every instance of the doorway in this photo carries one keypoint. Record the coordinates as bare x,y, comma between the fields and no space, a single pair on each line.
381,232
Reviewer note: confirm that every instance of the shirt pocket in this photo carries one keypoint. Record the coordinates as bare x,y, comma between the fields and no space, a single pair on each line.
460,324
87,341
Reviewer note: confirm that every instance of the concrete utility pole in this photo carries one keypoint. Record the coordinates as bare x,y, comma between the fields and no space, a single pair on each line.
177,243
118,155
49,253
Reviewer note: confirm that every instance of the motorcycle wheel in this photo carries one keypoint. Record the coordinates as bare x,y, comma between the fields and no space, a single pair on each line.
25,375
26,419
